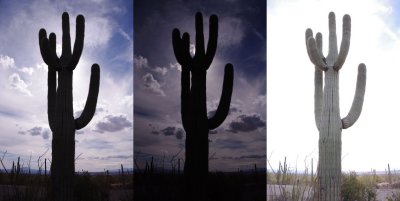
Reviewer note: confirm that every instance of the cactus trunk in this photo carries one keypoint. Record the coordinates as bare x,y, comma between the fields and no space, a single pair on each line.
326,106
196,162
60,105
194,102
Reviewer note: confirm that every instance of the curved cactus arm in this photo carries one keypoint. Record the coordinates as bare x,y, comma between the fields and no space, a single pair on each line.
345,45
52,87
79,40
66,38
318,83
48,50
185,98
200,52
43,50
212,40
358,100
91,101
314,54
332,37
225,100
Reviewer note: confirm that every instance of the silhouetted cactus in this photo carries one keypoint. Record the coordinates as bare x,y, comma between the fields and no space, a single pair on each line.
193,95
327,111
60,108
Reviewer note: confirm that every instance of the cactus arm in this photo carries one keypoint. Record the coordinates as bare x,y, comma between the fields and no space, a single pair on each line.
225,100
47,50
318,91
309,34
91,101
43,50
358,100
345,45
199,36
212,40
180,45
332,37
314,54
66,38
52,88
79,41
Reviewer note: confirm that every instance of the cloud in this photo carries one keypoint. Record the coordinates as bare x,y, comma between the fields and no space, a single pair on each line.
112,123
171,130
38,131
27,70
254,156
152,84
230,144
15,82
112,157
246,123
6,62
140,62
233,31
96,144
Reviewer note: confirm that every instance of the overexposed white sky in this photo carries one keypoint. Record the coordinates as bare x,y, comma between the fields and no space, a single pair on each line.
374,140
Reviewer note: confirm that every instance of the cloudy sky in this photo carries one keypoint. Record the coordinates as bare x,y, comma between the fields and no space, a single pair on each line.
106,142
373,141
240,141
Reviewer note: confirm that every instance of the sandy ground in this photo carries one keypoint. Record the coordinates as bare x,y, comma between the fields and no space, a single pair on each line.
274,190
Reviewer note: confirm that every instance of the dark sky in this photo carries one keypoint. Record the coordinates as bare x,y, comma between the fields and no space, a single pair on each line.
240,141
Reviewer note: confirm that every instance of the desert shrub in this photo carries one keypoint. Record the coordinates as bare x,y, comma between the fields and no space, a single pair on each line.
353,189
89,188
393,197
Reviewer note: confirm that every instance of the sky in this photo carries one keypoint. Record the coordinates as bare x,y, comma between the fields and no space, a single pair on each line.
107,141
239,142
373,141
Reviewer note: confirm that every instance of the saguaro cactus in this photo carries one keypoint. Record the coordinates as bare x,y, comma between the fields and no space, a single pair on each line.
326,105
193,95
59,108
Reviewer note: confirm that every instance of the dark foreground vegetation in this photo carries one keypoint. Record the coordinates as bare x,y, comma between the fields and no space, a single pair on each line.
221,186
21,183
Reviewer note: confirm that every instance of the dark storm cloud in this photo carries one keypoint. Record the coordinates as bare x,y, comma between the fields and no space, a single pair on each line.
230,144
254,156
168,131
111,123
112,157
36,131
246,123
179,134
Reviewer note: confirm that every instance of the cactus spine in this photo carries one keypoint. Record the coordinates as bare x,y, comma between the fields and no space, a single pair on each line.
60,108
326,105
193,95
